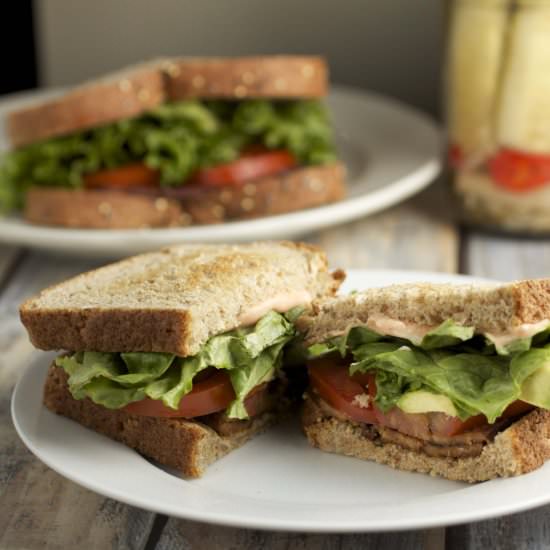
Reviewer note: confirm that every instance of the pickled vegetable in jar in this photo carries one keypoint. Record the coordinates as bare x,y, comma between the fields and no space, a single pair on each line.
498,112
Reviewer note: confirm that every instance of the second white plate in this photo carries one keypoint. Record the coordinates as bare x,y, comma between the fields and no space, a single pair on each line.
276,481
391,151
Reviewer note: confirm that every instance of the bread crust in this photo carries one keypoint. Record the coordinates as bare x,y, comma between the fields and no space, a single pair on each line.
173,300
495,308
91,209
521,448
274,76
116,96
139,89
186,445
297,189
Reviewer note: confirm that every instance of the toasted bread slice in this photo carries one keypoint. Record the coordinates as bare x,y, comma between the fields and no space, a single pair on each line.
273,76
116,96
138,89
521,448
290,191
92,209
174,300
186,445
296,189
491,308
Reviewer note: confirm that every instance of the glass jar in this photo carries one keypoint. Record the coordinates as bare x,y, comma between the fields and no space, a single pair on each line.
498,112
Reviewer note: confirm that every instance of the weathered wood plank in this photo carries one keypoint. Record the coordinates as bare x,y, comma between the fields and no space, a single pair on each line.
505,259
8,256
414,235
39,508
398,240
195,536
407,237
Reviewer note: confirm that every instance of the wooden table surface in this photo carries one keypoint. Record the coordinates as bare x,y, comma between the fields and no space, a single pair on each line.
41,510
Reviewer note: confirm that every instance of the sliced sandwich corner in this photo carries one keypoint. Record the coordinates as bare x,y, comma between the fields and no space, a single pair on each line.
447,380
178,353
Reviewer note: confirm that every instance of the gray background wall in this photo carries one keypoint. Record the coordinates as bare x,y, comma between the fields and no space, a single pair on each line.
391,46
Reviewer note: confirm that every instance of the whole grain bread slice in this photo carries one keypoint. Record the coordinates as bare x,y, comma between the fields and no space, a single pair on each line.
489,308
140,88
271,76
116,96
521,448
175,299
296,189
186,445
92,209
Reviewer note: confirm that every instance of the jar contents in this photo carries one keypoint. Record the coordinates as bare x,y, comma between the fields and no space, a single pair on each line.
498,111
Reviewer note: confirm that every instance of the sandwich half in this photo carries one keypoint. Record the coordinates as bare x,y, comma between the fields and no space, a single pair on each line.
447,380
176,142
178,353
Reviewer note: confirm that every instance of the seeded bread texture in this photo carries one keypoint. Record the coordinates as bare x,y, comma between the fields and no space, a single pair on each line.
132,91
276,76
172,300
87,209
116,96
488,308
521,448
185,445
297,189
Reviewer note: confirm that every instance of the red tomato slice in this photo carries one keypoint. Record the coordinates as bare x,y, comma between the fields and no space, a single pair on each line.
517,171
455,426
251,165
207,396
125,177
455,155
332,381
330,377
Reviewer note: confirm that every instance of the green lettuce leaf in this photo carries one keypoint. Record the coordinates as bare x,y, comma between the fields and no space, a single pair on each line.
257,371
175,138
451,361
522,344
447,334
251,355
475,383
355,337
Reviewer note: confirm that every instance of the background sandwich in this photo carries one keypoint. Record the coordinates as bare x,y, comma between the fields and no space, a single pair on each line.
176,142
447,380
178,353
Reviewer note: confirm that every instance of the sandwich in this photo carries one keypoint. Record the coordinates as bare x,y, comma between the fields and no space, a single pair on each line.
178,353
176,142
452,381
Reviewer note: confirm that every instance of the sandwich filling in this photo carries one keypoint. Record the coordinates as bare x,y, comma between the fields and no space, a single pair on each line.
445,392
232,372
182,143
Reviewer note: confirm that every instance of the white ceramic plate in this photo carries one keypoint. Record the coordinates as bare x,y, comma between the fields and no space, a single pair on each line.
276,481
391,151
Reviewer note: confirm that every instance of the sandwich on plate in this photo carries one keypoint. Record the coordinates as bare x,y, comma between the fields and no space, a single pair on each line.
447,380
178,353
176,142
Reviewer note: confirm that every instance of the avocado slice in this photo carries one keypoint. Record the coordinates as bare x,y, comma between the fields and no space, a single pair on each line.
536,388
422,401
